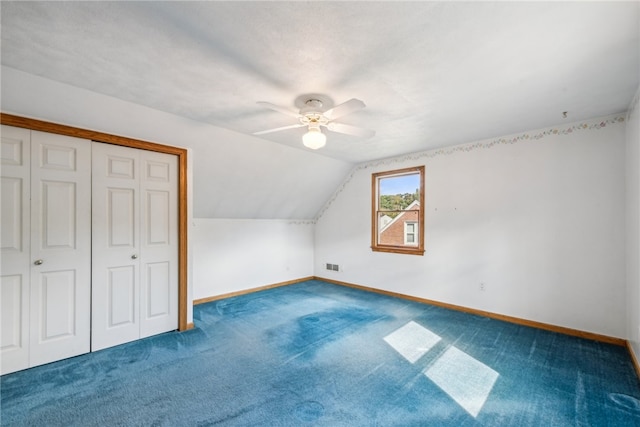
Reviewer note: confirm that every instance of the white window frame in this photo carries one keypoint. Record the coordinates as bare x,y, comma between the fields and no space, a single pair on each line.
414,232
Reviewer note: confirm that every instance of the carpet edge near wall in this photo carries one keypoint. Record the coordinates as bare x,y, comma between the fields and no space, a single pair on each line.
510,319
634,358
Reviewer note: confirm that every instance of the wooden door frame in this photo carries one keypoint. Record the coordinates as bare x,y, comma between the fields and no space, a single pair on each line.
39,125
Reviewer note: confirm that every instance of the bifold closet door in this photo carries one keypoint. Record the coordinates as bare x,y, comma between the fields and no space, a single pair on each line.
60,247
16,254
135,246
46,248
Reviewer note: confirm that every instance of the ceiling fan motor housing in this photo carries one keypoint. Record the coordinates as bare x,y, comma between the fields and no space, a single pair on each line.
311,114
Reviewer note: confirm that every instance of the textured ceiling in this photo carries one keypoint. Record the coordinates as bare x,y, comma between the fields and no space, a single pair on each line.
431,73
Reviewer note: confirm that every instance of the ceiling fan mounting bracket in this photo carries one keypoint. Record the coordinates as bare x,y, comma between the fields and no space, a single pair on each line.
304,101
313,102
312,107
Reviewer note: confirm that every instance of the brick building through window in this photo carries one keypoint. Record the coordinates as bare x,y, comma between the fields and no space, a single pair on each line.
403,229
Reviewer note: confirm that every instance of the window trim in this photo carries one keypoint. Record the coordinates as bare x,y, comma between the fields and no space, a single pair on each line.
377,247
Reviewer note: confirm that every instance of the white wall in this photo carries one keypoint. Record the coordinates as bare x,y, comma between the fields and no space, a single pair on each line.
236,254
633,224
538,217
234,175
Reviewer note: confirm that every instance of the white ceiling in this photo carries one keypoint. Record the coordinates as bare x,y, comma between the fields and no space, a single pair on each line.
431,73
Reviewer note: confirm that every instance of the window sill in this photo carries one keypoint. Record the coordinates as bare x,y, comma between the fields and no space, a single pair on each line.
398,250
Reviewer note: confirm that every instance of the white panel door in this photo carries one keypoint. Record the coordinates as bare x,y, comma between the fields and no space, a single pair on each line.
135,247
60,247
15,256
116,246
159,243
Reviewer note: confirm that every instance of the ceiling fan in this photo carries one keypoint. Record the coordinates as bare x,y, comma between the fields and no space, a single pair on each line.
313,117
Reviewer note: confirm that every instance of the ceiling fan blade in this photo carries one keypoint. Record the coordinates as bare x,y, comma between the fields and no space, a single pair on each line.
343,109
279,109
262,132
351,130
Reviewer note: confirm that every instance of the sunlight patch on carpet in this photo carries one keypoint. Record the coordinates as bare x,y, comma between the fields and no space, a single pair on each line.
412,341
465,379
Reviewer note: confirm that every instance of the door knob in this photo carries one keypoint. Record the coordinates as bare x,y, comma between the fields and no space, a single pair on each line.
38,262
134,256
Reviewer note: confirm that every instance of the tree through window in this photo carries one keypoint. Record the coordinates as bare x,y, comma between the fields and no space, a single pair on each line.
397,211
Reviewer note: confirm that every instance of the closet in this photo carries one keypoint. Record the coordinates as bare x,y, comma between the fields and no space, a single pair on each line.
71,208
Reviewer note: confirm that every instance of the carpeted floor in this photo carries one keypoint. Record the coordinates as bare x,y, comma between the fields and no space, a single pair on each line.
316,354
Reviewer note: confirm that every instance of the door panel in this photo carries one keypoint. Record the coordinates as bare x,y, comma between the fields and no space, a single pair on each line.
57,157
12,214
121,167
15,315
159,243
60,247
12,290
121,214
58,215
15,164
158,227
121,301
115,246
158,290
15,147
57,308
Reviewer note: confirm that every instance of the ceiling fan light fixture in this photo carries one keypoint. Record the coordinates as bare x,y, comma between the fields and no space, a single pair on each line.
314,139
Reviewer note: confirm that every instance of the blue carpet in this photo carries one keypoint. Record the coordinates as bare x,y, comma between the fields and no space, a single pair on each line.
316,354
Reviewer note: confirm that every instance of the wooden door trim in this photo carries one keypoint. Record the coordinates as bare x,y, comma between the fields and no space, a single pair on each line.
39,125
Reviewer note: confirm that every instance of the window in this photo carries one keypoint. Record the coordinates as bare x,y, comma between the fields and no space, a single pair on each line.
411,233
397,211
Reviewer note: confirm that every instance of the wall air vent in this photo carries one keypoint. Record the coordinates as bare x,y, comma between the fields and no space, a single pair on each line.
332,267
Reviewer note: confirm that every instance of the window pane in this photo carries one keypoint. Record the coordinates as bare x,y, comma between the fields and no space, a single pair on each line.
400,184
398,192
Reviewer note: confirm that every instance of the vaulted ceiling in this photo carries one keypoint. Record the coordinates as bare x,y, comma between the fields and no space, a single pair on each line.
432,74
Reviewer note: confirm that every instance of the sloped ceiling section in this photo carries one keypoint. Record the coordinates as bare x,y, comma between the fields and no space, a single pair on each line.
432,74
234,175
